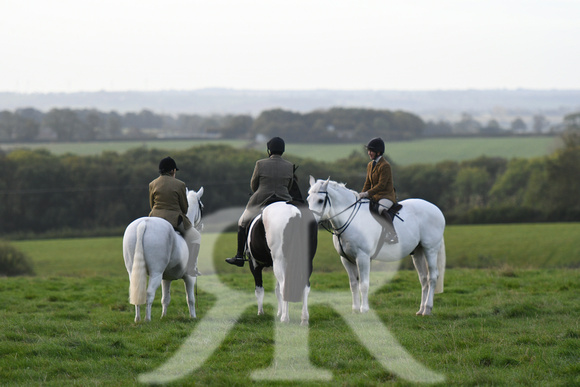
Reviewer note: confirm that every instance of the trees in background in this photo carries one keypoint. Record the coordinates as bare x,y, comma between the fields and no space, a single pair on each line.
331,125
334,125
41,192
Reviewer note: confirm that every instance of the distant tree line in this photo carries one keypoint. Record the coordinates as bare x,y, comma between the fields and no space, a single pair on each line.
333,125
42,193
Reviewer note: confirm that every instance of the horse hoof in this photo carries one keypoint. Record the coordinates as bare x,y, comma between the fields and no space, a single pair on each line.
304,323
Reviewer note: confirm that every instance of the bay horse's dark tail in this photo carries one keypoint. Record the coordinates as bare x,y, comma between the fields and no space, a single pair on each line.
299,247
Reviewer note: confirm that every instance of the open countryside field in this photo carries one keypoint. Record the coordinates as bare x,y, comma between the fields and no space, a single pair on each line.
403,153
509,315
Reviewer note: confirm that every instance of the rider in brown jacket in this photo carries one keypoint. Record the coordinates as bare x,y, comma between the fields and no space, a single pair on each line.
271,180
379,185
168,200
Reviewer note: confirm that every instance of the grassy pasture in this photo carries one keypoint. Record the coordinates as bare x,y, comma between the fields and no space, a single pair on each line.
402,153
509,315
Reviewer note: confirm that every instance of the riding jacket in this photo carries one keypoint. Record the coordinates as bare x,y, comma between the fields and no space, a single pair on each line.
379,181
272,176
168,200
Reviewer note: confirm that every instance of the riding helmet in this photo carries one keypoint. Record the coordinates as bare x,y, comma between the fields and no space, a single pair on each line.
376,145
167,165
276,146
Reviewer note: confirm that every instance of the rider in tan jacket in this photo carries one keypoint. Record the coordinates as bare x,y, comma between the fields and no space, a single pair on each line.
168,200
379,185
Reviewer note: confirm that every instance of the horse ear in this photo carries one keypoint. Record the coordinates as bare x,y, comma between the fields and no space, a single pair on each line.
200,193
312,180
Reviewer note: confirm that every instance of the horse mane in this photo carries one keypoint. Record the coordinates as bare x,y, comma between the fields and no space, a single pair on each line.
341,185
336,186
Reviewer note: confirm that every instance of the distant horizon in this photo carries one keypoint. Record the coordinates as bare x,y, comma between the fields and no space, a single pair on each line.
501,104
498,89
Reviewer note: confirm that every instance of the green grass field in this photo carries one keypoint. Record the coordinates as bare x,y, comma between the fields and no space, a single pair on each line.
402,153
509,315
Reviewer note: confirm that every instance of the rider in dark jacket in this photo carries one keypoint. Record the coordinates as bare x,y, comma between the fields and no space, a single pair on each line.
271,180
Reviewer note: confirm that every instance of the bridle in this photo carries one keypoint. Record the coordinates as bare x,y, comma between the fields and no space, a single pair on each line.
199,215
337,230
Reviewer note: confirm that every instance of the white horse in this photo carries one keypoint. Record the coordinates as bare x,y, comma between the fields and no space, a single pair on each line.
357,238
151,246
285,237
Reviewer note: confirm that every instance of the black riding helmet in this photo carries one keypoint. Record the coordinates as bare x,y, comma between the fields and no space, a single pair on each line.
276,146
167,165
376,145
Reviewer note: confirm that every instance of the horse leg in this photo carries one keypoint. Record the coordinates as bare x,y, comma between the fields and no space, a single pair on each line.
431,256
352,272
283,306
189,294
364,270
259,290
154,283
421,266
137,313
279,298
165,296
305,315
285,312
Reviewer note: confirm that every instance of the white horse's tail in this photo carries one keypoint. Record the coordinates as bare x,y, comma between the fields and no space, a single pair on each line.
441,258
138,286
300,242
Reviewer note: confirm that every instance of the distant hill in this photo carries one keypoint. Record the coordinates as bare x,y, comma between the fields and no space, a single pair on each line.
432,104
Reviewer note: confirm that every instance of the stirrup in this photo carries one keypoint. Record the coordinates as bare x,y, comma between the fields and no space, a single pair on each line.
237,260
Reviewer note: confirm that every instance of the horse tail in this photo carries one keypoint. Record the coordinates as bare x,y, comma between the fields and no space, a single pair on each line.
441,258
300,242
138,286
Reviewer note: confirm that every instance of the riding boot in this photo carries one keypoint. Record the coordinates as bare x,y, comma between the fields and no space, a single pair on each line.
192,262
239,259
192,239
391,238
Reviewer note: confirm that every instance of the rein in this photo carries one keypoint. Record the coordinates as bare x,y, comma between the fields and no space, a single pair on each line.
338,231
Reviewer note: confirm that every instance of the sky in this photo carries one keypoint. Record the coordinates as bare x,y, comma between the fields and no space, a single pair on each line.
150,45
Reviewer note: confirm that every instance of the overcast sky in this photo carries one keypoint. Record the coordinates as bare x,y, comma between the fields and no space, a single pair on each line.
117,45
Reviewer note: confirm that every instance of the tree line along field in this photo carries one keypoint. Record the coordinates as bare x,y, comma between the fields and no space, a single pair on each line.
509,315
426,151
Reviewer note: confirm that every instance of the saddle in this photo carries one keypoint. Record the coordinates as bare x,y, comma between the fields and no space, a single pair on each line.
256,242
393,211
388,233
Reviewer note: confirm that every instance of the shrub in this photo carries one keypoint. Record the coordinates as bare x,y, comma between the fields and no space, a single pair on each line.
13,262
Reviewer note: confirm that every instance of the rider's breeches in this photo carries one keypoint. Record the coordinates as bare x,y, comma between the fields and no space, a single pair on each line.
193,239
384,205
247,216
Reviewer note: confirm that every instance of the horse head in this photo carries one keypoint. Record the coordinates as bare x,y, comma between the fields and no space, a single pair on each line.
195,210
318,199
